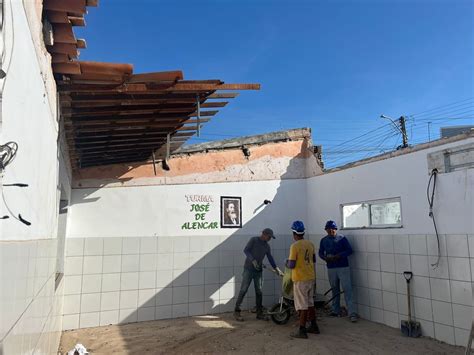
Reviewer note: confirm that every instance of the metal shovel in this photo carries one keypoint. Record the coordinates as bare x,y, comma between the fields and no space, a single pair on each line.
408,327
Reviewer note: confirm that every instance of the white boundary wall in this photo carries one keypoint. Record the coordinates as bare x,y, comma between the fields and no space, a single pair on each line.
442,296
129,260
30,304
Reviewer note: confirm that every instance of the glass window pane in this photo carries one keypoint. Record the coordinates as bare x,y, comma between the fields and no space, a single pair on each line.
386,213
356,215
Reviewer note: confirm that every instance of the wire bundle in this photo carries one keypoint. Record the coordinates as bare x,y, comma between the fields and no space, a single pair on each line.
7,154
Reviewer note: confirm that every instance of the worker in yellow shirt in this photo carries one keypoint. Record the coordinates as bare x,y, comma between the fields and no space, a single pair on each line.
301,262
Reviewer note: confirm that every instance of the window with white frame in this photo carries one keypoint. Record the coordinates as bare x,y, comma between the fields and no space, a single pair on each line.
386,213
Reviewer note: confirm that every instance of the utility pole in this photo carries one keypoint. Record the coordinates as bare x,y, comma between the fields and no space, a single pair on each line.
403,129
429,131
401,126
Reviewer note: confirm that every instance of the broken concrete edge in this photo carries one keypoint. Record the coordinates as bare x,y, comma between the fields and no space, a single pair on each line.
403,151
246,141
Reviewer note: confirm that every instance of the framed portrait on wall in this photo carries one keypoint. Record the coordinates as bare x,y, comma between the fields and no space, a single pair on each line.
231,212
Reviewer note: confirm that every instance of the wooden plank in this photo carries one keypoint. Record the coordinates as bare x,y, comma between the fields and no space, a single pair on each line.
67,68
117,125
81,43
100,152
77,21
192,87
110,79
130,109
158,76
223,95
155,88
59,58
89,67
77,6
57,16
126,135
214,104
130,122
63,33
92,3
138,113
126,102
64,48
126,132
92,96
138,139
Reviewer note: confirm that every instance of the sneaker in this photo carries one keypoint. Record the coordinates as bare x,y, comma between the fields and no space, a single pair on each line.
313,329
238,316
300,334
354,318
262,316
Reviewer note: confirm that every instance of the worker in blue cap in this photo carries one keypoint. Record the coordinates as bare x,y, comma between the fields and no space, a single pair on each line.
334,248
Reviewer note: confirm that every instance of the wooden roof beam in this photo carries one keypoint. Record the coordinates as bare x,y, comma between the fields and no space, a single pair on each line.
76,6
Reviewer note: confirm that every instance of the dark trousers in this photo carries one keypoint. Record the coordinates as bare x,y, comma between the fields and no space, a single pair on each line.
247,277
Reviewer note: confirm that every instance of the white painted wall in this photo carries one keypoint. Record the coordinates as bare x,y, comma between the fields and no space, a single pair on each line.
441,296
405,176
30,307
162,210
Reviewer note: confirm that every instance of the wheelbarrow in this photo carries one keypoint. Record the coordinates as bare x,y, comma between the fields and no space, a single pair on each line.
282,311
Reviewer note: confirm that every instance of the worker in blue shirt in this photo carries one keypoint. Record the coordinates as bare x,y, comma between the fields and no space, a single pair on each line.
255,251
334,249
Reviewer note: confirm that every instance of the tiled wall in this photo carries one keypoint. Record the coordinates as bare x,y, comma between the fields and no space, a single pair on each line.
30,306
441,297
121,280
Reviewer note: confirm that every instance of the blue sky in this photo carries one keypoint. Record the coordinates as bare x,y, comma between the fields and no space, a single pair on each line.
333,66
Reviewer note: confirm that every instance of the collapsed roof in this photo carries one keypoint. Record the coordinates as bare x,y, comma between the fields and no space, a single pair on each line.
112,115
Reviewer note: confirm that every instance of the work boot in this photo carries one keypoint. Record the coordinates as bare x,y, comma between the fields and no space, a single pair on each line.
300,334
238,316
262,316
313,328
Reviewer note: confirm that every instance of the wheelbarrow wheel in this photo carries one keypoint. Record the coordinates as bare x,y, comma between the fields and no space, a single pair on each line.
280,317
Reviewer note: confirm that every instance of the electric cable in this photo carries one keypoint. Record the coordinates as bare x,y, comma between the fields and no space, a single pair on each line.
443,106
7,154
433,176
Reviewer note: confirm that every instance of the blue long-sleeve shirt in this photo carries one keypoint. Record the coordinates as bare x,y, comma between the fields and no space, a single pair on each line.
337,245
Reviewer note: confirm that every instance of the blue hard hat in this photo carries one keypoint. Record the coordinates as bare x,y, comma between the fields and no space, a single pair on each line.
330,225
298,227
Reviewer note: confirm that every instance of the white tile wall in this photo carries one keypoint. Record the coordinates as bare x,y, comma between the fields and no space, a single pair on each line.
418,245
442,312
440,290
30,307
459,269
461,292
462,316
457,245
156,278
444,333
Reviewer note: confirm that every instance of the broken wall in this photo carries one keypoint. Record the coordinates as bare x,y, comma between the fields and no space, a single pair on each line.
143,247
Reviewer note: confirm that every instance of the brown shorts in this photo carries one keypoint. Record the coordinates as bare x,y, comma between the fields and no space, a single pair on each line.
303,294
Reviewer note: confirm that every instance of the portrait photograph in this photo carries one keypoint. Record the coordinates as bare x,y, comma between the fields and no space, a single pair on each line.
231,212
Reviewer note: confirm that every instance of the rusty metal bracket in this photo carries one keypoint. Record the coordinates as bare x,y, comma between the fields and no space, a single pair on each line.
198,107
154,161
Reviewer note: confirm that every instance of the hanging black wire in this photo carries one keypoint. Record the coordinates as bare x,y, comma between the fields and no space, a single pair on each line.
434,174
7,154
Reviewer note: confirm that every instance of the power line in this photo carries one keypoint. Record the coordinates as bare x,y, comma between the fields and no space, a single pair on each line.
440,107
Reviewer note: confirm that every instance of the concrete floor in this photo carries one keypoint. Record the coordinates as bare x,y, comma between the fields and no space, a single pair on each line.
221,334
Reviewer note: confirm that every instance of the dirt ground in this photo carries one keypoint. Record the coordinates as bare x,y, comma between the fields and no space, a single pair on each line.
221,334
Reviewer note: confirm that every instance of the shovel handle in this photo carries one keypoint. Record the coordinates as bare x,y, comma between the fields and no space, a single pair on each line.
408,275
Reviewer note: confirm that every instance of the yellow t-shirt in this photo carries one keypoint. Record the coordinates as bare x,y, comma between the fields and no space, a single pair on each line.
303,252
